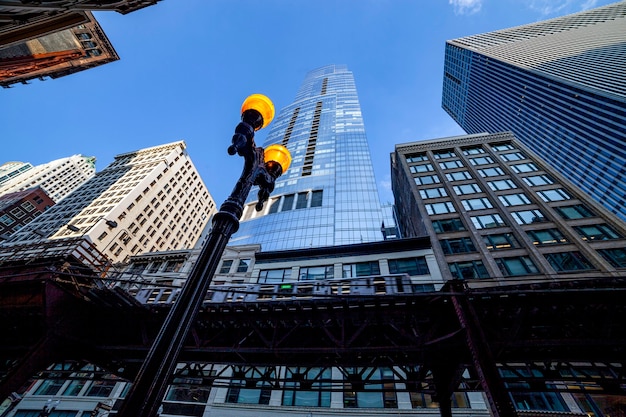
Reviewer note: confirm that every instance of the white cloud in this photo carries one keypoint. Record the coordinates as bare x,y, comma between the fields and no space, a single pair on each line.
553,8
466,6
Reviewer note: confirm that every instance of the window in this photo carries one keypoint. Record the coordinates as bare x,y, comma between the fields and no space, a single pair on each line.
528,216
501,185
514,199
28,206
467,189
520,265
546,237
188,393
500,241
411,266
274,275
514,156
50,387
6,219
225,268
597,232
502,147
558,194
317,384
574,212
527,167
250,386
360,269
154,267
473,151
483,160
102,388
427,179
449,153
458,176
288,202
616,257
355,396
301,202
314,273
448,225
418,169
536,180
468,270
243,266
459,245
568,261
173,266
440,208
433,193
477,203
316,198
416,157
491,172
488,221
451,164
274,203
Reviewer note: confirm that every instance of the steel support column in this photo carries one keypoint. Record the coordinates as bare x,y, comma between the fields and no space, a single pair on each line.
484,363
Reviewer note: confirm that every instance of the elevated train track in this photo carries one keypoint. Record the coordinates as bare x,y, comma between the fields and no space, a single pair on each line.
556,335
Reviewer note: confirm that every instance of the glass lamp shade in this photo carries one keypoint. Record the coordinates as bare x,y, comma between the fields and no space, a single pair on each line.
277,154
262,104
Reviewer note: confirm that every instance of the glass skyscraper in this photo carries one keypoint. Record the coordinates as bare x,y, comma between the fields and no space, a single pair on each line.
559,85
328,196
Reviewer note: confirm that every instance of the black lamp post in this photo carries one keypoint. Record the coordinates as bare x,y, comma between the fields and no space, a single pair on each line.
261,167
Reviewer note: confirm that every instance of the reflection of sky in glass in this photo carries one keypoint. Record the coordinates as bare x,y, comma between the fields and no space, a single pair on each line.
340,166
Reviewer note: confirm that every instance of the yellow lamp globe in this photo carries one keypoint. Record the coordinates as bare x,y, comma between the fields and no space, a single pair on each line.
262,104
277,154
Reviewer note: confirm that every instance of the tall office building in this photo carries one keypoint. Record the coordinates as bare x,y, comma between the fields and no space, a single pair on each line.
559,85
148,200
495,211
12,169
499,215
57,178
328,196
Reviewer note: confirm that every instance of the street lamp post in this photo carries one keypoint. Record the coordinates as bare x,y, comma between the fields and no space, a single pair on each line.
261,167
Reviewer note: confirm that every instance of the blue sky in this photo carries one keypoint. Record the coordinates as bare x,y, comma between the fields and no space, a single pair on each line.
186,66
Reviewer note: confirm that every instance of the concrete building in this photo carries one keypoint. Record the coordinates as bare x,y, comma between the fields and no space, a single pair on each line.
20,208
145,201
9,170
56,54
57,178
559,86
495,211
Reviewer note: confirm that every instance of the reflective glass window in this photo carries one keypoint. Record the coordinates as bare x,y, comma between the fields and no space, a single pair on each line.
514,199
411,266
500,241
574,212
568,261
491,172
557,194
546,237
468,270
314,273
529,216
360,269
519,265
458,176
501,185
476,203
448,225
536,180
433,193
616,257
458,245
440,208
463,189
597,232
418,169
427,179
488,221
